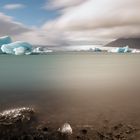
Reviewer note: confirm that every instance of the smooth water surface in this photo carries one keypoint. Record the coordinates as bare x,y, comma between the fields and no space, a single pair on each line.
76,87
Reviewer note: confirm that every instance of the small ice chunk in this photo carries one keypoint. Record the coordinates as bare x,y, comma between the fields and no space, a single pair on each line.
17,48
5,40
97,50
66,129
41,50
135,51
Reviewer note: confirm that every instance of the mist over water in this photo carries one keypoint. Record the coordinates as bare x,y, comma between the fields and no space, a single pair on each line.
76,87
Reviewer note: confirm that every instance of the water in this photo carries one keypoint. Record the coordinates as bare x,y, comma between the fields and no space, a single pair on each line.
73,87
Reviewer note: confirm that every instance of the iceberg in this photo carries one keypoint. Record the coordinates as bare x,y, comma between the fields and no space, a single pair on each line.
97,50
17,48
40,50
5,40
120,50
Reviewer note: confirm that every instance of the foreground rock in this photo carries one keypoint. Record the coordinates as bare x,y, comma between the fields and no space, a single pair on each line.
66,129
13,116
14,122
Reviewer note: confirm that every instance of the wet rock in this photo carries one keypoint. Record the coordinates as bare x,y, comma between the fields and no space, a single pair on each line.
13,116
66,129
65,132
15,122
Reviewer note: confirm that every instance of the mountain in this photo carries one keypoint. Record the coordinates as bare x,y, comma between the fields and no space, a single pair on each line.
121,42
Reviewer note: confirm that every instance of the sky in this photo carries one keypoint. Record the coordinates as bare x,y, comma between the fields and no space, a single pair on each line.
58,22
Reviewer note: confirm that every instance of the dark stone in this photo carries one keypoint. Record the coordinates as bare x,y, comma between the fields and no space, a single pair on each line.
84,131
45,129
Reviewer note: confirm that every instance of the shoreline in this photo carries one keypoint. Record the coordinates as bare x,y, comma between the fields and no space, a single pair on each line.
23,124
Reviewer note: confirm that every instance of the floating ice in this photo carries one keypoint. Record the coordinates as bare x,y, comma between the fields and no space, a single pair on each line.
17,48
66,129
5,40
19,51
120,50
41,50
135,51
96,49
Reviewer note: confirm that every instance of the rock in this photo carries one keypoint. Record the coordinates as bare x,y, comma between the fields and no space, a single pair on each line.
5,40
13,116
66,129
84,131
17,48
17,122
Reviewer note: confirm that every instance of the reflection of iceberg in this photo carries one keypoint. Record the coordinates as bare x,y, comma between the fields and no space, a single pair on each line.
41,50
17,48
120,50
5,40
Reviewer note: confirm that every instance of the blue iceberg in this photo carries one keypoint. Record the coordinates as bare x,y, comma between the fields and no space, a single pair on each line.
5,40
97,50
124,50
121,50
17,48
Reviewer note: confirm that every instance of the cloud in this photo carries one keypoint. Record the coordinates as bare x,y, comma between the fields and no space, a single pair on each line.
96,19
11,27
14,6
18,31
41,37
62,4
80,20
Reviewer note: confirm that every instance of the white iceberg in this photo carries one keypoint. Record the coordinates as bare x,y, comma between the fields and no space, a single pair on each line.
135,51
17,48
19,51
5,40
41,50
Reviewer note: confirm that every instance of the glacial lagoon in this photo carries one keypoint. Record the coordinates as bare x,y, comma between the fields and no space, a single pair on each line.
80,88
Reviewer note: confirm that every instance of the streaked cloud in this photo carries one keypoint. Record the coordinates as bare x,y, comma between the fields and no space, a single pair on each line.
62,4
10,27
80,20
14,6
103,19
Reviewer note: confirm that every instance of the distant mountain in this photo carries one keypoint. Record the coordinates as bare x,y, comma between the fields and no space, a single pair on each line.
121,42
